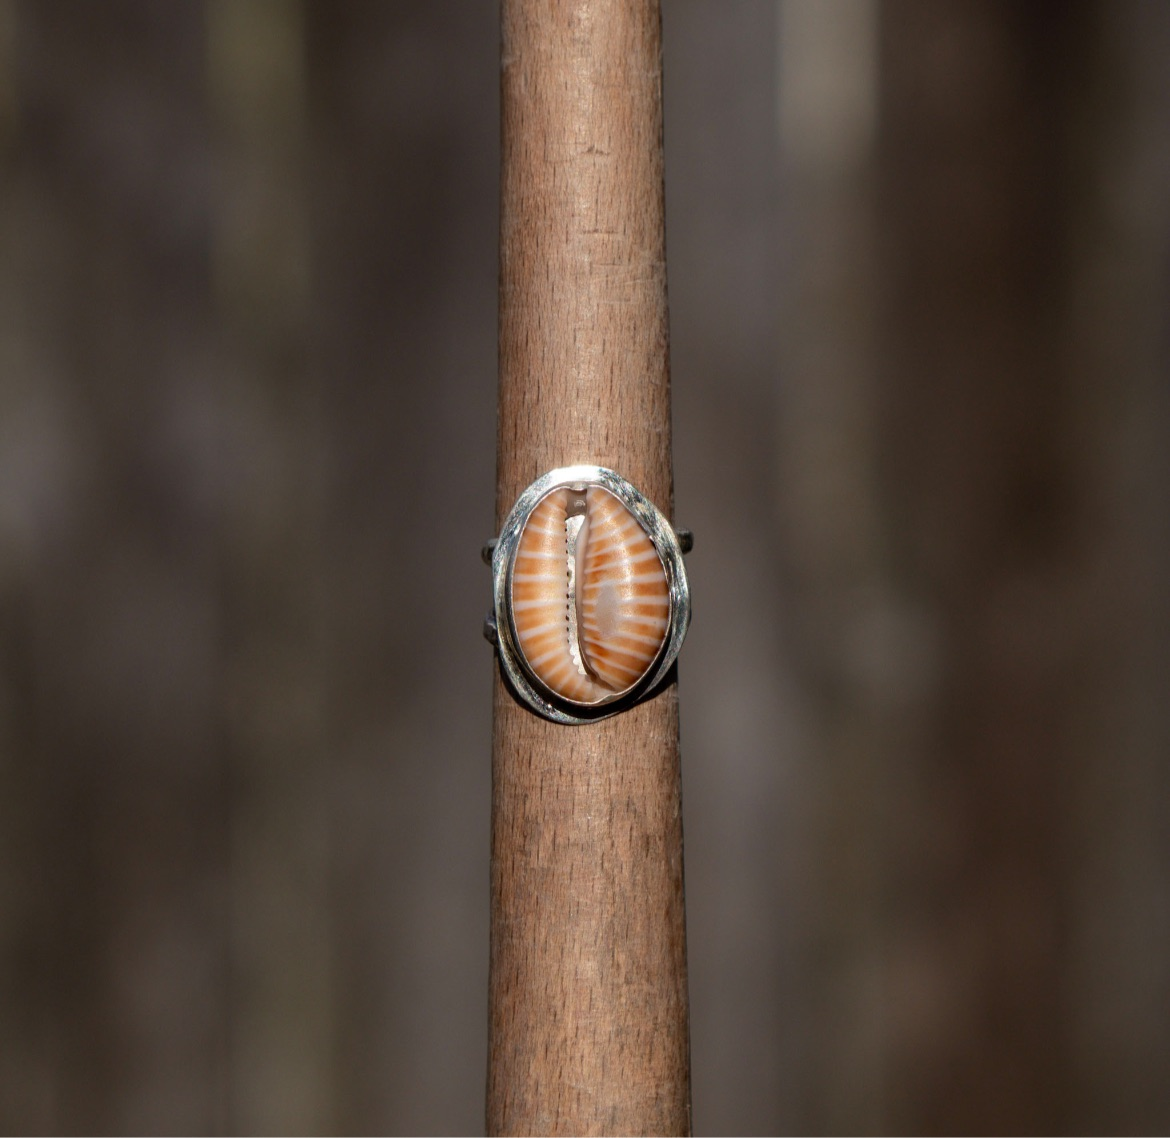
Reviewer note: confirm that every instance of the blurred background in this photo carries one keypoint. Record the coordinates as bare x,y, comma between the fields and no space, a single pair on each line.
920,307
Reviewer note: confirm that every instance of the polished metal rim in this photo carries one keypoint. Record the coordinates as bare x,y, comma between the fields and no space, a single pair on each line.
671,546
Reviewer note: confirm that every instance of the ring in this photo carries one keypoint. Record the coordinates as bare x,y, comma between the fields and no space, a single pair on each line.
591,595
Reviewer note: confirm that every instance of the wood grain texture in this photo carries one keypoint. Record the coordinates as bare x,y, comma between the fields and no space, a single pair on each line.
588,991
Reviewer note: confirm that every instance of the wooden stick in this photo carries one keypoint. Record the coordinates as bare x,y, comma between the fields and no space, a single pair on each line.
588,991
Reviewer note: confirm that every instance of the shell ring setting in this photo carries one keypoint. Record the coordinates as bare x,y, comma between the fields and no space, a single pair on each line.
591,595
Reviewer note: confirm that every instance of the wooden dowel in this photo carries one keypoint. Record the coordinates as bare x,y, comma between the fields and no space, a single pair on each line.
588,989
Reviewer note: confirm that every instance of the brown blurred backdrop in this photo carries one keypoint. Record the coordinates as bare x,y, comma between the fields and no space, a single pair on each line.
919,272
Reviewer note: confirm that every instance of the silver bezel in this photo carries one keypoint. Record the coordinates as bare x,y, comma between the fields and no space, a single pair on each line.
524,683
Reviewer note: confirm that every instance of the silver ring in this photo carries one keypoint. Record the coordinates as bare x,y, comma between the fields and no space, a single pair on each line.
591,595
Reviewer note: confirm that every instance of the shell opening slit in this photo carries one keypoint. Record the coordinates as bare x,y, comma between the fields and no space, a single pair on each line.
590,597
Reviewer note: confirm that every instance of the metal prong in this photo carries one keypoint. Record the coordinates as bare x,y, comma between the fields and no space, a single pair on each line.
488,550
686,540
490,634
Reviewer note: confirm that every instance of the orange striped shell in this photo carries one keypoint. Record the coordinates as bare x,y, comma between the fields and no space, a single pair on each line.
590,600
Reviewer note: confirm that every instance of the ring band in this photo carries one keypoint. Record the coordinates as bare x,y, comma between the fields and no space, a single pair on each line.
591,595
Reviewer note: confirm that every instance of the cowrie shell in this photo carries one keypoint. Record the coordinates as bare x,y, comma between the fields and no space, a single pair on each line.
590,600
591,595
